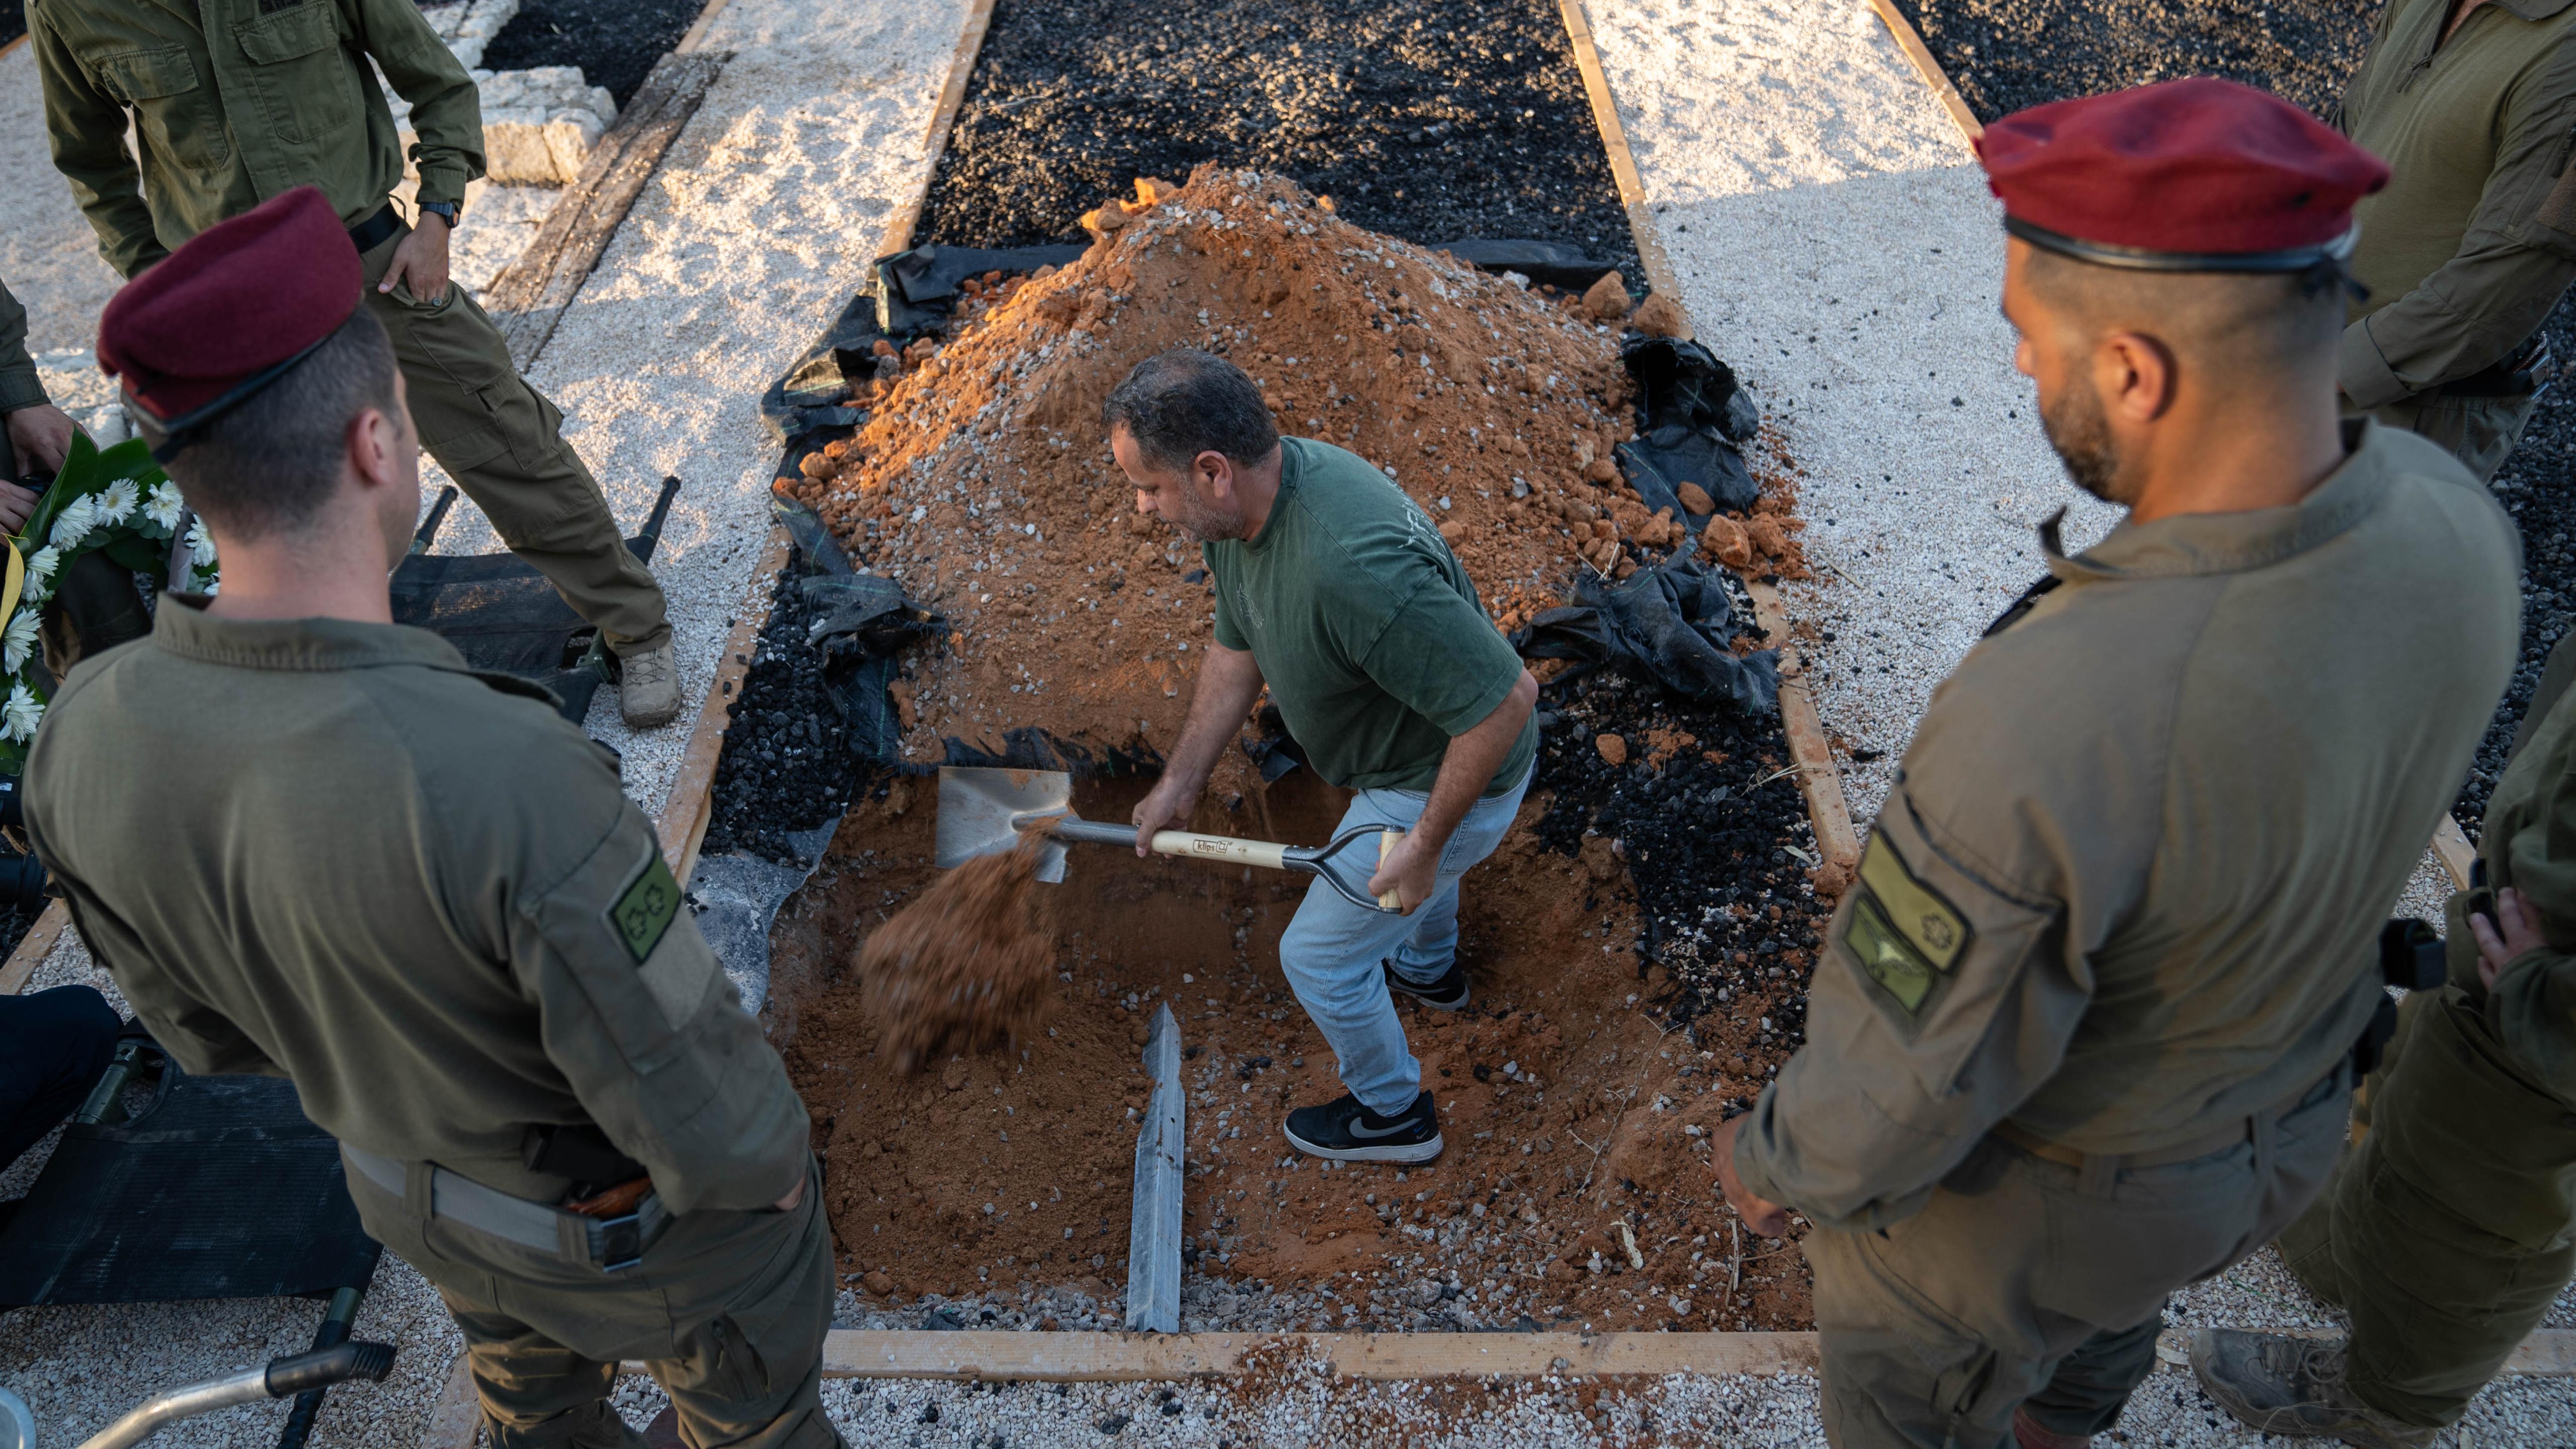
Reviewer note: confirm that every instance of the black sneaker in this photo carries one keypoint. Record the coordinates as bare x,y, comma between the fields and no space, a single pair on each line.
1345,1131
1449,993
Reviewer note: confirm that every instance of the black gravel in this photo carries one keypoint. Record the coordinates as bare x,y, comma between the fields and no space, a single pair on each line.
615,42
2533,487
1422,120
1699,839
786,765
2004,55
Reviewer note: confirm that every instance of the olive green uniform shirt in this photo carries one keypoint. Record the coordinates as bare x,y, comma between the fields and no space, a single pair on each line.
235,101
2529,844
1365,625
2474,238
2128,887
328,851
19,385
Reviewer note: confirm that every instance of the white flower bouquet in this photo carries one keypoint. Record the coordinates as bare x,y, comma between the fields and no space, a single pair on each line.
115,501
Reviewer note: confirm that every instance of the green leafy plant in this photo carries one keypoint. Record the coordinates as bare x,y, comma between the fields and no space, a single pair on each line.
114,501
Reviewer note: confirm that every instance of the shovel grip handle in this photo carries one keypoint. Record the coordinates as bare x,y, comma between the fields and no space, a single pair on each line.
1220,848
1188,843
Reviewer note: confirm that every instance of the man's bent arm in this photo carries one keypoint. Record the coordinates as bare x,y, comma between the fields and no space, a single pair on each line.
2517,256
446,109
1228,684
1939,1004
1467,767
86,127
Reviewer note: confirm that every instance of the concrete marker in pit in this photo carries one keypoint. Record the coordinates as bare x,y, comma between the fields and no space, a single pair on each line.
1154,1221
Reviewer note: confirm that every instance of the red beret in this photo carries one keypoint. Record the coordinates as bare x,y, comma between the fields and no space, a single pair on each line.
228,312
2187,175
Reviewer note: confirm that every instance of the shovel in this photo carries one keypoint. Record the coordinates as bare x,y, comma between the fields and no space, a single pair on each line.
984,812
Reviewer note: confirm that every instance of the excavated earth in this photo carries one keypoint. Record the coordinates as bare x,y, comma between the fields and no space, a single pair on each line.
1640,942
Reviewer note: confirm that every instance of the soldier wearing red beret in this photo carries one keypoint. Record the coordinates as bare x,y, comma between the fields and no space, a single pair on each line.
231,102
2083,1030
310,843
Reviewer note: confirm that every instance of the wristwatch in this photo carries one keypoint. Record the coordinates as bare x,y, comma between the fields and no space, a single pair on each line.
450,212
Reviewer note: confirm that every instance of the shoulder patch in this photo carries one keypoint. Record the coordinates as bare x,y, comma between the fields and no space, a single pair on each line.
643,914
1903,932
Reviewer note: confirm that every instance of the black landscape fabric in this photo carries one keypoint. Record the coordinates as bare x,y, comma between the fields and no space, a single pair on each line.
1423,120
2004,55
220,1188
1671,625
1691,414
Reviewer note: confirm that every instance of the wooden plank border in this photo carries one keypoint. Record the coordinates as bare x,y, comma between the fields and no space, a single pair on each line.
1809,749
691,801
1910,41
854,1353
532,294
33,947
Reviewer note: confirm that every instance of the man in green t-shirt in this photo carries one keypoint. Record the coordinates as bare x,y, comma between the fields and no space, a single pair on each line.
1337,591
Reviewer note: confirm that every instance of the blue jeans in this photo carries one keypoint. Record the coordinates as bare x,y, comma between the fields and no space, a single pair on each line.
1332,948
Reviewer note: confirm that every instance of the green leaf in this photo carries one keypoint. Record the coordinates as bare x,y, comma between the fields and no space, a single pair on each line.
136,553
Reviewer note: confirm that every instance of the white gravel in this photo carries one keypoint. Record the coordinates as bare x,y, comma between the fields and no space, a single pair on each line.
760,225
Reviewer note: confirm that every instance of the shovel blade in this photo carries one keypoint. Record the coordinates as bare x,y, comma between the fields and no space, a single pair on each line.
981,812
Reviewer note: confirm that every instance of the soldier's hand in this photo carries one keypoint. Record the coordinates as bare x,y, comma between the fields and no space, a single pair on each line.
2500,942
1766,1218
16,504
794,1196
420,263
41,436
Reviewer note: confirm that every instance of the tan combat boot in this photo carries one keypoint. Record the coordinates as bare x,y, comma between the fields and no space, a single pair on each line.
2282,1384
648,687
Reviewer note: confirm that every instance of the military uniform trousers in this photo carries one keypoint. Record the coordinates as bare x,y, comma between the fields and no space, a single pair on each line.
2479,431
2026,1282
727,1310
2446,1233
503,443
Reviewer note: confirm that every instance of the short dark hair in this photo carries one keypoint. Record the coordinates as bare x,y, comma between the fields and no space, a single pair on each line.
267,466
1185,402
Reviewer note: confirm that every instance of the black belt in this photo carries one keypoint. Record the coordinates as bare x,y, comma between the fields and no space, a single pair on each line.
372,233
2526,371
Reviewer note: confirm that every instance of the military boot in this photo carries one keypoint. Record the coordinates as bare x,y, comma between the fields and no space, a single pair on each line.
648,687
2280,1384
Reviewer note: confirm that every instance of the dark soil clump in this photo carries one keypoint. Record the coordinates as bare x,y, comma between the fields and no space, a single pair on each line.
2004,55
1424,121
13,20
2533,487
786,764
615,42
1708,832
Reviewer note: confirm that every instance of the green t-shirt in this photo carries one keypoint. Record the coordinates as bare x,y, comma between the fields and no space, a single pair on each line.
1365,625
